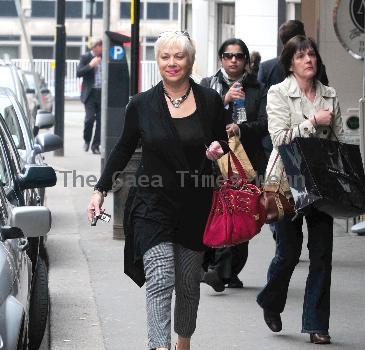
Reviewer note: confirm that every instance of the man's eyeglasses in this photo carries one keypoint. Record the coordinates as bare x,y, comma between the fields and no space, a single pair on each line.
239,56
177,32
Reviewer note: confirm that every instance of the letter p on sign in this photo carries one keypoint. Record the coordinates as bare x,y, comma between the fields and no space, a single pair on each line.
116,53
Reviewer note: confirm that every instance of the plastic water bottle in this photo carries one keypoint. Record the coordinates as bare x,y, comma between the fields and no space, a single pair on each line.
239,108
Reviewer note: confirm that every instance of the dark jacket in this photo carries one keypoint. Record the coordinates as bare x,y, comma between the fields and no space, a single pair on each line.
148,120
87,74
271,72
255,128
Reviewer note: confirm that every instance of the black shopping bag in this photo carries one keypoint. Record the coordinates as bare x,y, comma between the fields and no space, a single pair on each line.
328,175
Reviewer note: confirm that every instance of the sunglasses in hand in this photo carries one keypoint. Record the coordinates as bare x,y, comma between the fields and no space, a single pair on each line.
239,56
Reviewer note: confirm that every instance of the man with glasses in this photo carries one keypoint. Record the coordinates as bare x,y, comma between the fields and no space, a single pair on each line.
226,263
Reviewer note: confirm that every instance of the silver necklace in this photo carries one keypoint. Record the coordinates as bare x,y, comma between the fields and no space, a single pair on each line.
176,102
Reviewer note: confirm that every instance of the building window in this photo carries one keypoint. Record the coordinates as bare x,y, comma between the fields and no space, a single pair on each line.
42,52
9,37
293,9
97,9
73,52
73,9
175,11
188,17
43,8
7,8
148,45
74,38
125,10
158,10
42,37
9,51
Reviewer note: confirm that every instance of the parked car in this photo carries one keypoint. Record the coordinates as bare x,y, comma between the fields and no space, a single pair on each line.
30,148
9,77
18,282
20,182
37,90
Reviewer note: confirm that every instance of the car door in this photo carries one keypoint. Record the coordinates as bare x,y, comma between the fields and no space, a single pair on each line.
17,256
15,281
17,124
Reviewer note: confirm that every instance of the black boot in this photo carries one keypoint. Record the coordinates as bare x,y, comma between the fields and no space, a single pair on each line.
273,320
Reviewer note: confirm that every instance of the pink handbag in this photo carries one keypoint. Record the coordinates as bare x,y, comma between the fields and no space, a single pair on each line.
236,214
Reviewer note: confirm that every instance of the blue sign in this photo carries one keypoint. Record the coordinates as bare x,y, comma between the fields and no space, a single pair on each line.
116,53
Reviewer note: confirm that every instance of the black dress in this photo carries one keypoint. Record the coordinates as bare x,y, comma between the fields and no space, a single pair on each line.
176,209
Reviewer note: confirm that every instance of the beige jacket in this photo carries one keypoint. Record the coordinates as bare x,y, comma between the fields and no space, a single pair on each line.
287,110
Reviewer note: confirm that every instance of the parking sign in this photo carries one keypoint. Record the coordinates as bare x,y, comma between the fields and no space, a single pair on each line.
116,53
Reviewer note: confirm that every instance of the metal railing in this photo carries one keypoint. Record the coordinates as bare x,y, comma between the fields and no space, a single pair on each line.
150,74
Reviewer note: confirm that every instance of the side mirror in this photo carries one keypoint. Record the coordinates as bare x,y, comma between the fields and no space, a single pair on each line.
9,232
48,142
44,119
45,91
33,221
37,176
29,91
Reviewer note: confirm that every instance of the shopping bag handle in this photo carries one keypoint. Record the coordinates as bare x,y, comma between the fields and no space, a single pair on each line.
343,156
237,164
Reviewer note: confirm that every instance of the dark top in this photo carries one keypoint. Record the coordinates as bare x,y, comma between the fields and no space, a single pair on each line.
192,139
167,200
147,231
255,128
87,74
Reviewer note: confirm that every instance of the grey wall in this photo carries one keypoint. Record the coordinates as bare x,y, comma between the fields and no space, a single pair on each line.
344,72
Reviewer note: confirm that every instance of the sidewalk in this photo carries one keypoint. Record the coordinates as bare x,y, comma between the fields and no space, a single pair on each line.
95,306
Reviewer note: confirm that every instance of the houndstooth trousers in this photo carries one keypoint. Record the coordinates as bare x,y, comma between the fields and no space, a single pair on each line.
168,266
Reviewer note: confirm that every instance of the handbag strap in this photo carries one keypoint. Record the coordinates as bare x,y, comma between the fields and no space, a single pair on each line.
237,164
277,155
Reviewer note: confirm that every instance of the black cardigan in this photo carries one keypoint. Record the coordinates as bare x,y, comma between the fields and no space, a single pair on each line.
148,120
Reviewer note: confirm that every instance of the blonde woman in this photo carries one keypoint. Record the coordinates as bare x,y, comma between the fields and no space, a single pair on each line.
166,212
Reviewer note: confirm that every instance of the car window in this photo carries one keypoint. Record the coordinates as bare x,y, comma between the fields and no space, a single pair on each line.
30,81
6,78
4,171
8,113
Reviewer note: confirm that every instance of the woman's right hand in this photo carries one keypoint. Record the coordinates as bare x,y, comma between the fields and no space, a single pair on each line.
322,117
233,94
94,207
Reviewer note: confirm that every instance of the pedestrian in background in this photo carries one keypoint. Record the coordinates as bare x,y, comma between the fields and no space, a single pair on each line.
89,69
226,263
272,72
300,106
255,59
165,218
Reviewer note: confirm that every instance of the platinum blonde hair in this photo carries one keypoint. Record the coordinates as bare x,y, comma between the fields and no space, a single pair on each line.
94,41
180,39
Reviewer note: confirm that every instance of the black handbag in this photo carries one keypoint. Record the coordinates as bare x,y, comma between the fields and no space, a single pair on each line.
328,175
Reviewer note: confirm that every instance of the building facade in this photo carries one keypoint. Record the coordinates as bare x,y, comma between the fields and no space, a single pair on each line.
40,21
209,22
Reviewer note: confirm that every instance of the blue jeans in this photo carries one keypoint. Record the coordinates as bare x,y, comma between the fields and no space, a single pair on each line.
289,239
